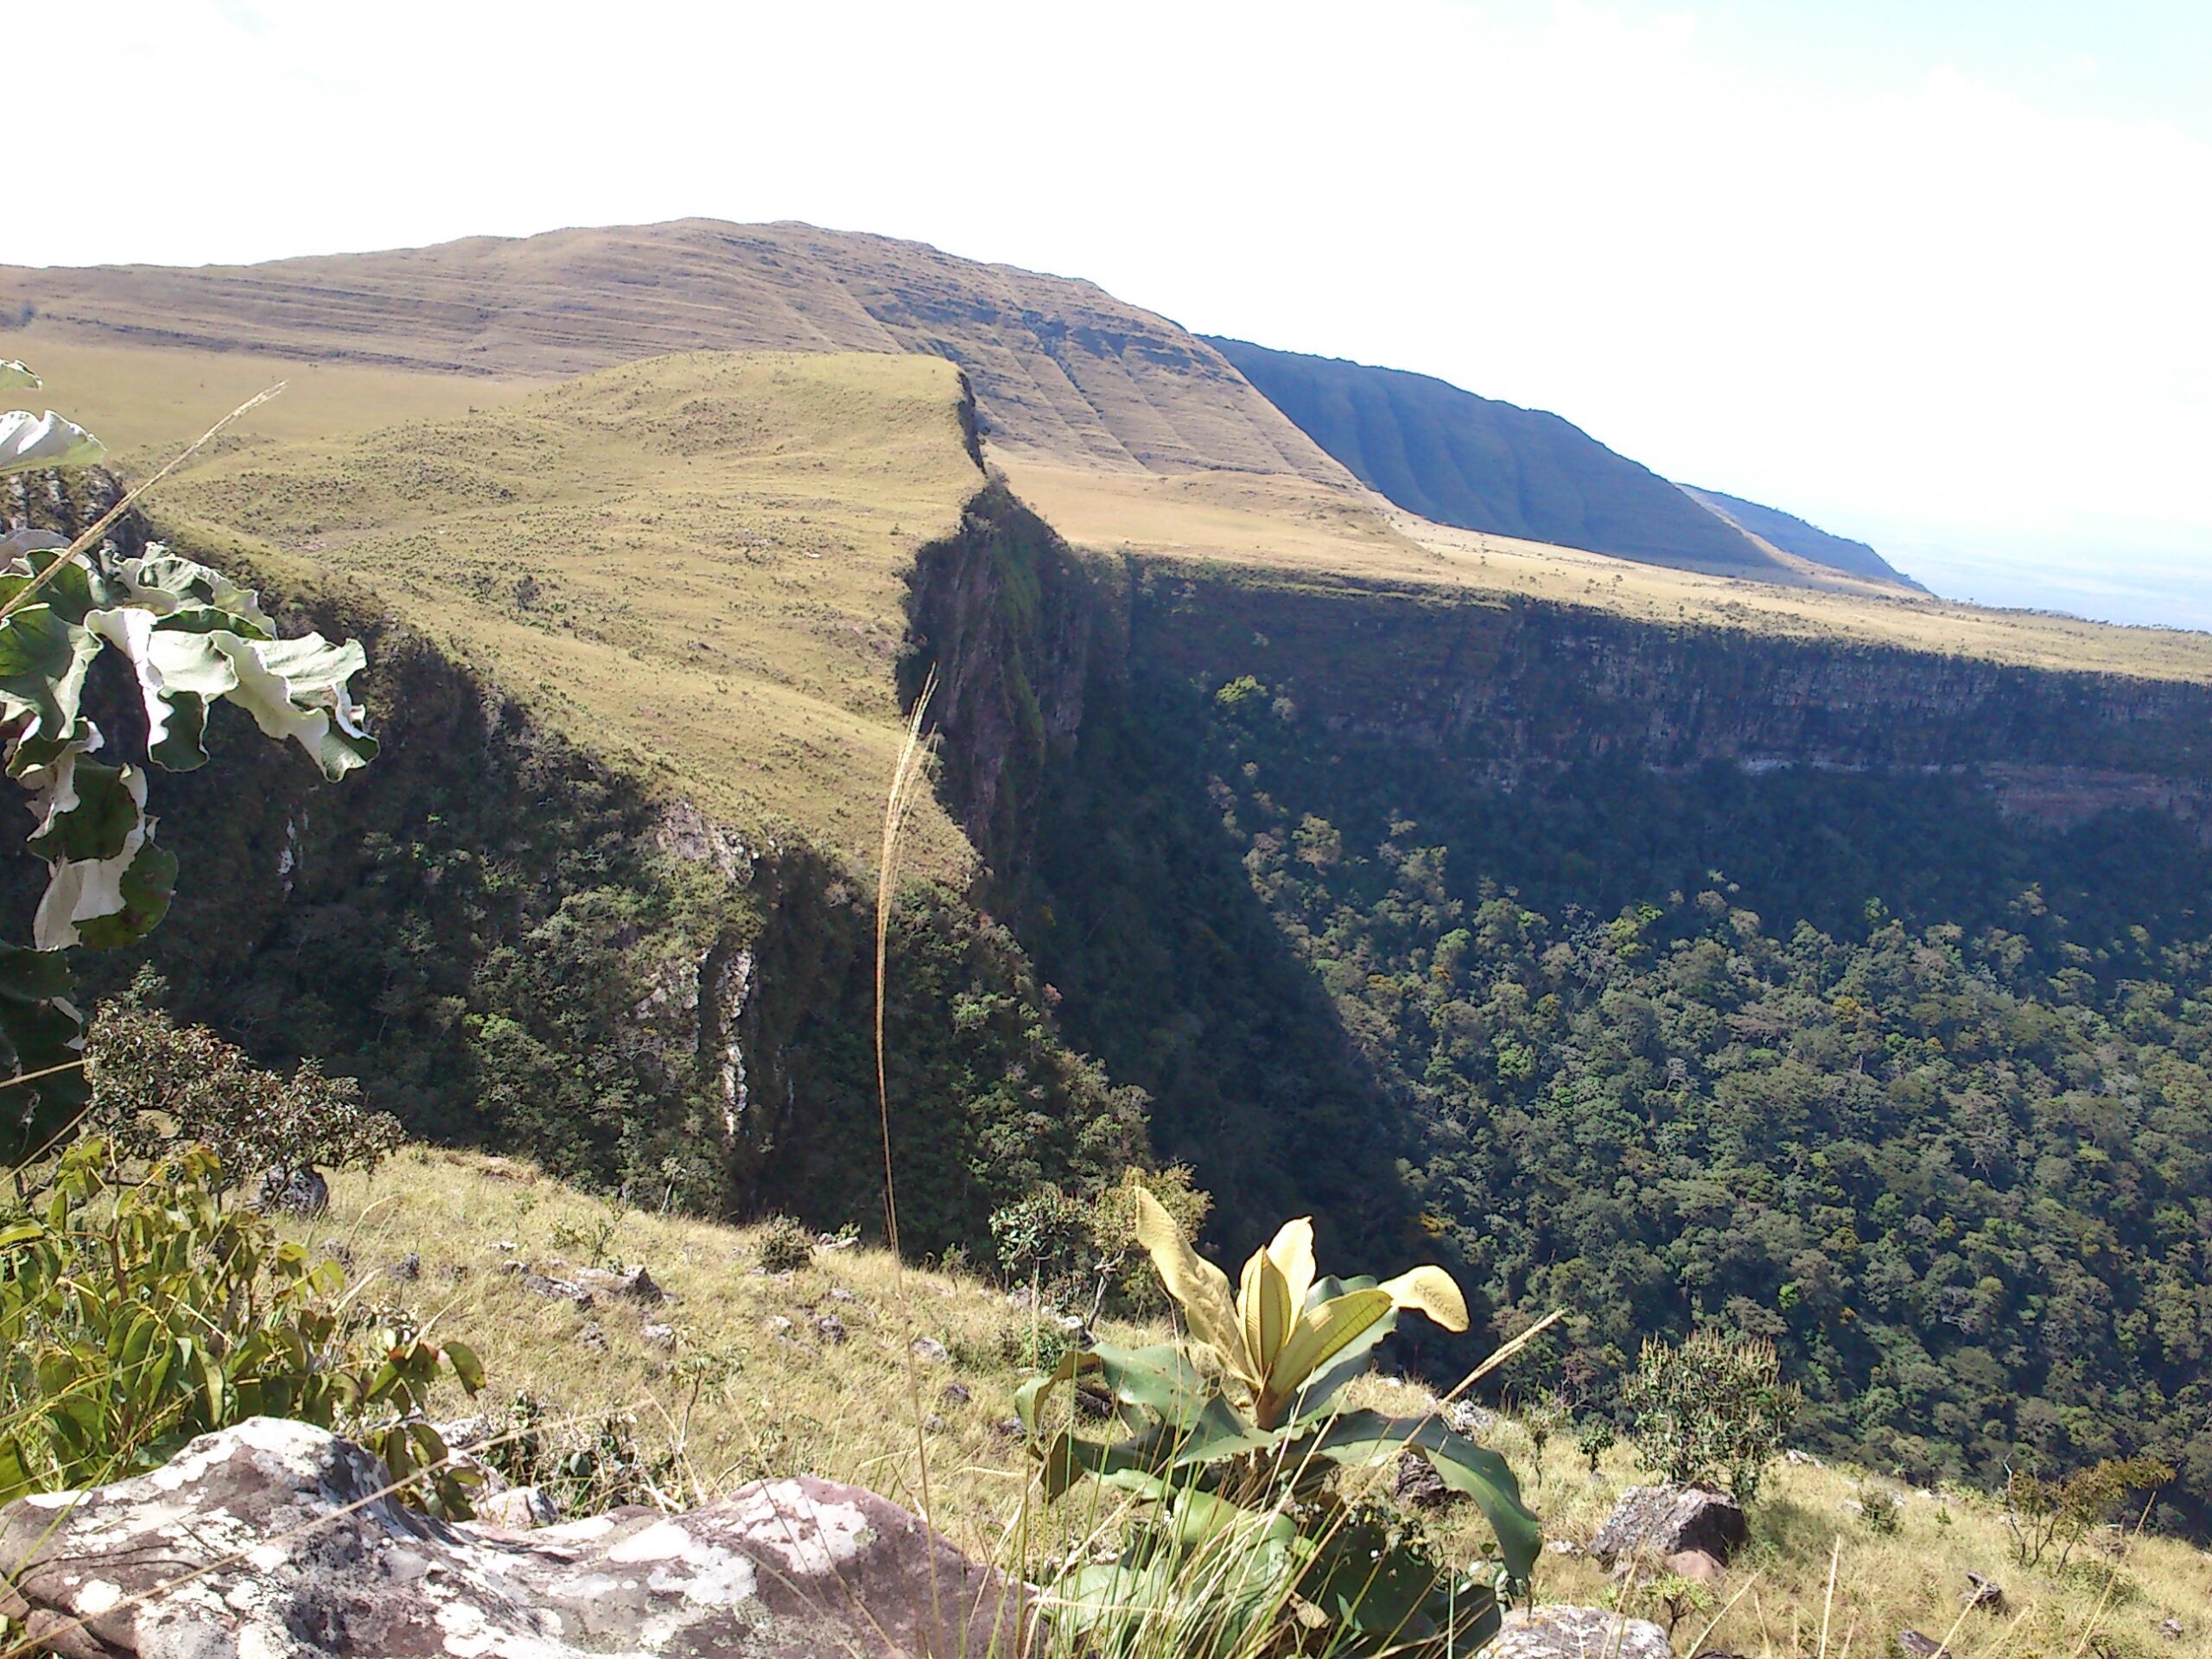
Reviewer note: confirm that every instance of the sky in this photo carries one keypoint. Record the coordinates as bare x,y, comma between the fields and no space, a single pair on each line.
1931,273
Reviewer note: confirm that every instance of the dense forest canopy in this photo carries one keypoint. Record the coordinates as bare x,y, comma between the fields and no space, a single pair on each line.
1852,1061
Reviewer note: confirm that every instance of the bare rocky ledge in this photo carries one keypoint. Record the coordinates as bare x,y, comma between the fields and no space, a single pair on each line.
271,1539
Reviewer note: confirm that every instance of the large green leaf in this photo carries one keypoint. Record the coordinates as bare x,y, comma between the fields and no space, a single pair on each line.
39,1030
1361,1437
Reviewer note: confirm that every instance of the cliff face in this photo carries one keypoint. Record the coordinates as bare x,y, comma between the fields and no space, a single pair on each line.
1506,687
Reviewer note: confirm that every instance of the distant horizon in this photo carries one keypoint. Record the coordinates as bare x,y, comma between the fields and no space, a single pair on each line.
1914,273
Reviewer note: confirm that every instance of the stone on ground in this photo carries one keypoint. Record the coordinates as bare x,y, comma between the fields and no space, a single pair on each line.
270,1538
1662,1521
1560,1631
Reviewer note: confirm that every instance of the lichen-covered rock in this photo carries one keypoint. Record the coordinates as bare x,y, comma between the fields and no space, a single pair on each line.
1560,1631
269,1538
1418,1485
1657,1521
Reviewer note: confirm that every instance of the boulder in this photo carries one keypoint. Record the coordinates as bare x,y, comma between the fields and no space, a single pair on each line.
1663,1521
661,1336
1913,1645
930,1351
1986,1593
270,1538
1560,1631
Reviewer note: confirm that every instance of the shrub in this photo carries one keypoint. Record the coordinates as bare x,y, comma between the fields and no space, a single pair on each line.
137,1315
1882,1510
1245,1545
158,1086
786,1246
1594,1438
2040,1513
1045,1241
1710,1411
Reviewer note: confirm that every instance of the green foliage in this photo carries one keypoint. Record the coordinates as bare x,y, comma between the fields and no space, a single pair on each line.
1880,1509
136,1315
1596,1436
1082,1255
586,1469
1637,1044
190,638
2040,1513
1711,1409
1235,1467
158,1086
786,1246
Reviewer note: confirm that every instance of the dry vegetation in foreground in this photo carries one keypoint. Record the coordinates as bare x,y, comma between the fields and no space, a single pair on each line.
794,1399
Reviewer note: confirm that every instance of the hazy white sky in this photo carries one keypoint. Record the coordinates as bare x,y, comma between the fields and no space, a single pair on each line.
1935,274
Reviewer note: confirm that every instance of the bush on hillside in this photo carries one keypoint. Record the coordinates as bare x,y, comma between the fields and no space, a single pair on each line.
1082,1254
158,1086
136,1315
1710,1411
2041,1513
785,1246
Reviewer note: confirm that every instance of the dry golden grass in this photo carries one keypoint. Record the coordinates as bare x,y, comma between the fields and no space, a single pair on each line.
794,1401
693,566
797,1402
144,401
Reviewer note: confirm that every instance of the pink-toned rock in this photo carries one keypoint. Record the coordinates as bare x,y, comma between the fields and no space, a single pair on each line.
270,1538
1695,1565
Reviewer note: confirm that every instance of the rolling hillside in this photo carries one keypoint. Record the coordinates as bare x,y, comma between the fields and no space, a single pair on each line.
1061,369
1477,464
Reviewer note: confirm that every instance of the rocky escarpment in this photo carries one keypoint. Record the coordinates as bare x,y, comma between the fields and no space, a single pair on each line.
275,1537
1506,687
511,943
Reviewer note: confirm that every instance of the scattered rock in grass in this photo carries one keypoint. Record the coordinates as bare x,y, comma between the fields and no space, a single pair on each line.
1468,1418
592,1337
1985,1594
1913,1645
1695,1565
933,1424
831,1329
292,1193
930,1351
1562,1632
2171,1629
661,1336
1665,1520
409,1267
1807,1458
1418,1485
1561,1547
1009,1427
505,1246
635,1285
839,1294
956,1394
778,1325
538,1284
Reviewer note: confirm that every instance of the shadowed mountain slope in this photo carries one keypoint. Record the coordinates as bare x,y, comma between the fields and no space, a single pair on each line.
1477,464
1793,535
1060,368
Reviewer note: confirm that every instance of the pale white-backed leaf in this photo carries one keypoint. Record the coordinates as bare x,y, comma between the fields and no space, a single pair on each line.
1292,1250
17,376
1432,1291
29,441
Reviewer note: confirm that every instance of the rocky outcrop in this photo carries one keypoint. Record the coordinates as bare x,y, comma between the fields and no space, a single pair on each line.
1659,1523
1560,1632
270,1538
